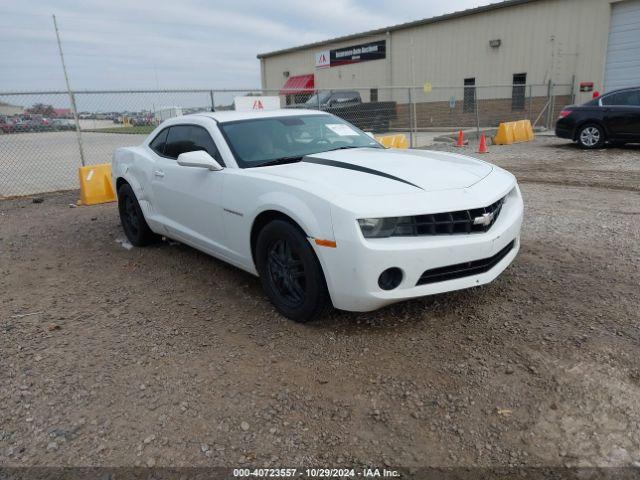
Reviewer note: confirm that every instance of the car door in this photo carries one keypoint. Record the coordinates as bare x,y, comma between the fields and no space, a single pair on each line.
189,198
622,114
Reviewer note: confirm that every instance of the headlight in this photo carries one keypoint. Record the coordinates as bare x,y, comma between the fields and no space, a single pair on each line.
378,227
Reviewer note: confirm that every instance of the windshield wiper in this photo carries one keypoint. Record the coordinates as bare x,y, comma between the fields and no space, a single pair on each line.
344,147
280,161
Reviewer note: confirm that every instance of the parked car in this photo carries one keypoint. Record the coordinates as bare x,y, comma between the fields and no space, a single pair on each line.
60,124
348,105
37,123
31,123
21,125
141,121
319,210
613,117
6,125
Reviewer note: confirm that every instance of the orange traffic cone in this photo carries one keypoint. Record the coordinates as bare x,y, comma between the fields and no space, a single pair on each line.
460,142
482,148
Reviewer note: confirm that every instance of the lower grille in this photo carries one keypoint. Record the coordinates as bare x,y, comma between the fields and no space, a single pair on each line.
466,269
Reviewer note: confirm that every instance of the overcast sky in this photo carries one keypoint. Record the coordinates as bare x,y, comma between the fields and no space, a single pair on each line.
120,44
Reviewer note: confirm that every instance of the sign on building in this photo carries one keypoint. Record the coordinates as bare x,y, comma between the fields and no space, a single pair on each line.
352,54
248,103
323,59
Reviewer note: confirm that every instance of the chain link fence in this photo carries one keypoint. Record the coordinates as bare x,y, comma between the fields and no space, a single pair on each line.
42,144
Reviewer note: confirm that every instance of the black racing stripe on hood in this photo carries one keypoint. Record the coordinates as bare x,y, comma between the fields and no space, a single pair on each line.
357,168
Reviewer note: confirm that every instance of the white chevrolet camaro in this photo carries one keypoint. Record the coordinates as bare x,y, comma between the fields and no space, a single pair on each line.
319,209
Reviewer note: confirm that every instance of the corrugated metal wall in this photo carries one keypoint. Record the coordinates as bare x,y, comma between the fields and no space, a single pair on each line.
622,67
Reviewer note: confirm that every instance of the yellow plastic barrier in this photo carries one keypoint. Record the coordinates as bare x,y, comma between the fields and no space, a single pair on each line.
394,141
505,134
96,185
527,129
514,132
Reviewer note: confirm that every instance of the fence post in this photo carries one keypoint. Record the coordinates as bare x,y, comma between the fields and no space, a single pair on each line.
213,103
72,97
477,114
530,100
552,106
548,119
410,119
573,89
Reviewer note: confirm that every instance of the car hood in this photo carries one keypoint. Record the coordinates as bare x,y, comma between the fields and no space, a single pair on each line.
375,171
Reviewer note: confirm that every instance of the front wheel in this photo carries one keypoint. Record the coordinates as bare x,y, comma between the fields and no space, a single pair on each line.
133,223
591,136
290,272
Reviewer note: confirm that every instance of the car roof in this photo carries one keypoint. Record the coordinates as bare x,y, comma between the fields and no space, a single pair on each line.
620,90
233,115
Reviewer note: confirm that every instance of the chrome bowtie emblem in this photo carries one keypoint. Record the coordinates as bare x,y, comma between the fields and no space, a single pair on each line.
485,219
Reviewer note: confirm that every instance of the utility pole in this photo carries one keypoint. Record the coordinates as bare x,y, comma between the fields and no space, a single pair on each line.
72,97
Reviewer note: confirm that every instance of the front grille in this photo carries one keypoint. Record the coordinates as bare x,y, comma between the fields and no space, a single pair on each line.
466,269
450,223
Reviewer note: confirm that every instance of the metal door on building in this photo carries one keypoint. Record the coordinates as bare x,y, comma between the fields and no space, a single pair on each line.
622,66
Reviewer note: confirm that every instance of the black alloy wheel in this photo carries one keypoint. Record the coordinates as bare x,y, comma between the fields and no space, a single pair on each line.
132,219
290,272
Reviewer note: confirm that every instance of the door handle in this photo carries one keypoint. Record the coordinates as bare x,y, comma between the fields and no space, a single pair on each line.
158,173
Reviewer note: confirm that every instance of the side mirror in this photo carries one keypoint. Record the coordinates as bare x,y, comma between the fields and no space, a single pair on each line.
200,159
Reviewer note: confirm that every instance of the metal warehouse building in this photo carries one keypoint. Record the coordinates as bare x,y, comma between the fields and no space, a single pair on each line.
510,51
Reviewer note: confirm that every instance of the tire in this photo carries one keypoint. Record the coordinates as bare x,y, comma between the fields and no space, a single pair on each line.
290,272
591,136
132,219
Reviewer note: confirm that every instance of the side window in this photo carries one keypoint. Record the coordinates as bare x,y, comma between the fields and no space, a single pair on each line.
158,143
630,98
349,97
203,141
177,141
342,98
189,138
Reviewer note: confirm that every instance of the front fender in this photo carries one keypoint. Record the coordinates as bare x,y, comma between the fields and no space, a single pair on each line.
312,214
315,219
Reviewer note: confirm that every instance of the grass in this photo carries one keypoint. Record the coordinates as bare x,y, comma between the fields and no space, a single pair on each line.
143,129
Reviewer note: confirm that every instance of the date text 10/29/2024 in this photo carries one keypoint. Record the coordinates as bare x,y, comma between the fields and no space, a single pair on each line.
315,472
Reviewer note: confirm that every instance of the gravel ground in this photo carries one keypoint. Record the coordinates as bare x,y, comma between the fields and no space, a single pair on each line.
165,356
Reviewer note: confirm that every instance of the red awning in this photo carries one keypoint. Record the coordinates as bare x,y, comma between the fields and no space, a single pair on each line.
298,84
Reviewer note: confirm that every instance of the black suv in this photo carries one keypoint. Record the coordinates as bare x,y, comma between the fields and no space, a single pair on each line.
614,117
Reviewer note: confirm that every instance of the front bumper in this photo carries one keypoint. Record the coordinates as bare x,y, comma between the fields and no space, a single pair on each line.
352,269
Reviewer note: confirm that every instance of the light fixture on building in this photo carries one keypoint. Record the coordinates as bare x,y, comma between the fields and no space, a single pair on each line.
495,43
286,74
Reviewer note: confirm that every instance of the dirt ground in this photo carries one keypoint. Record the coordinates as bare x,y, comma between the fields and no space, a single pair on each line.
165,356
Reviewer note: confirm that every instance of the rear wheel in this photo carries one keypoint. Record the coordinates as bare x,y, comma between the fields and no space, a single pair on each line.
133,223
290,272
591,136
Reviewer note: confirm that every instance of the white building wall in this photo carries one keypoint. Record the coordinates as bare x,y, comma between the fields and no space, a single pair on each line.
548,39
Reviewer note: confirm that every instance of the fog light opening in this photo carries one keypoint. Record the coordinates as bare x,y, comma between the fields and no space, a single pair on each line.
390,278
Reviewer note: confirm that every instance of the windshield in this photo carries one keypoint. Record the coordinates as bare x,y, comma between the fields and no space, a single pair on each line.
265,140
313,100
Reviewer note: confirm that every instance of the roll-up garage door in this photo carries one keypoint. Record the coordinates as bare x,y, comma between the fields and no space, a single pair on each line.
622,67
